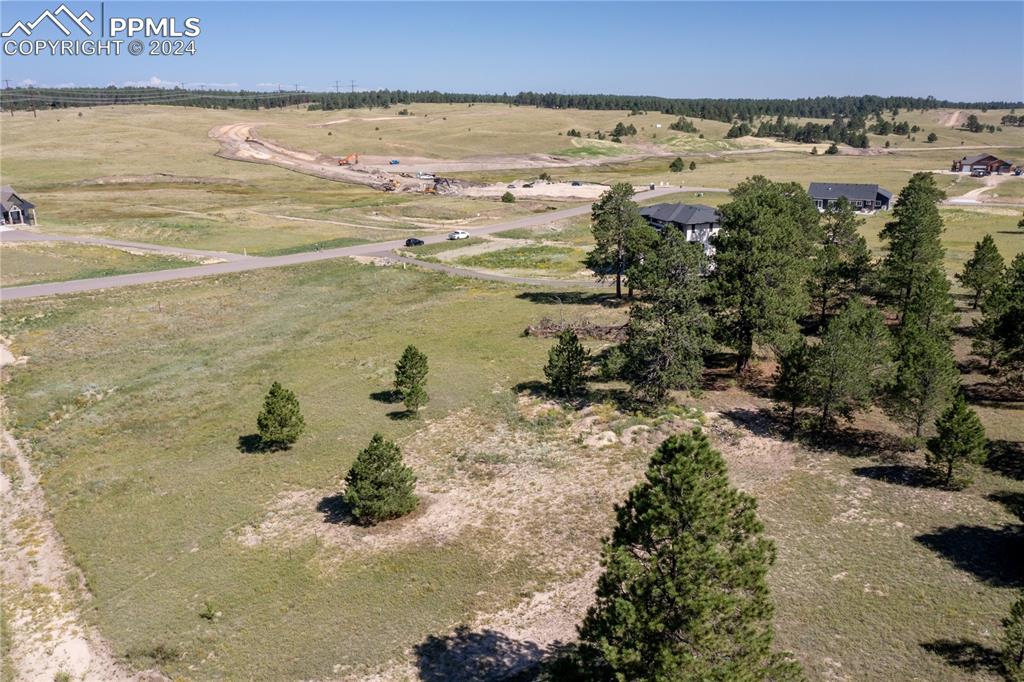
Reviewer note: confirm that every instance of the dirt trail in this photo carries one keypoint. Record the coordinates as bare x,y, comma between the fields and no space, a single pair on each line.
41,588
978,194
953,119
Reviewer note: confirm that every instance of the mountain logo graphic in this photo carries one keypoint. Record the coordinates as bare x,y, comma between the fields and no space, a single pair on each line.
69,16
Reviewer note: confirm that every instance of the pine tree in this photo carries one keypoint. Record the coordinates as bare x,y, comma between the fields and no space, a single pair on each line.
932,304
280,423
914,246
762,262
958,445
983,271
621,234
693,165
1013,641
677,165
926,377
843,260
379,486
567,366
851,364
410,377
669,329
793,380
683,595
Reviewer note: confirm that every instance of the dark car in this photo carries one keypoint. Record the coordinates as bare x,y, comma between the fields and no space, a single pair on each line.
412,241
576,183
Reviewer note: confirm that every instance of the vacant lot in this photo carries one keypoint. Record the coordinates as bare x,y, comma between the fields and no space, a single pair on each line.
136,428
37,262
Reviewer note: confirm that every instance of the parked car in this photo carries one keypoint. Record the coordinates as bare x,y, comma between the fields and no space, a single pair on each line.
458,234
412,241
978,173
511,186
576,183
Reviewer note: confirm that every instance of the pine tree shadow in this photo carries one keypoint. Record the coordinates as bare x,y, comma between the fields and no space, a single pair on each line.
253,443
402,415
477,656
1006,457
759,422
900,474
964,654
389,397
1014,502
336,509
993,555
606,300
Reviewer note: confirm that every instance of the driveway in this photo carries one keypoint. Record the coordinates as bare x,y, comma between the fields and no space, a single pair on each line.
245,263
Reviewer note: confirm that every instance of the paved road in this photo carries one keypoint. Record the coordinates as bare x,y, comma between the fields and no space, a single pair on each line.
245,263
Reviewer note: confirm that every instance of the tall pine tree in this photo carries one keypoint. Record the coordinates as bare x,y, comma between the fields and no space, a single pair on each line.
843,260
621,235
926,377
762,262
669,330
379,486
411,377
567,365
683,595
913,242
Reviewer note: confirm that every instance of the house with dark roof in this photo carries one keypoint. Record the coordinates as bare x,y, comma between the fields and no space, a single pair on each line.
15,210
865,198
698,222
982,163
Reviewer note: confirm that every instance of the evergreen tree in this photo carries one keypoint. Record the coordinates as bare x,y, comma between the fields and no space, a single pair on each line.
932,137
1009,325
983,271
693,165
411,377
932,305
683,595
669,329
677,165
851,364
280,423
621,234
832,149
914,246
567,364
379,486
793,380
926,377
843,260
1013,641
958,445
762,262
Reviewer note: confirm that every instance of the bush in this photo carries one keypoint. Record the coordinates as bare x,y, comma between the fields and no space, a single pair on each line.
832,149
280,423
508,198
566,368
379,486
959,443
932,137
410,377
677,165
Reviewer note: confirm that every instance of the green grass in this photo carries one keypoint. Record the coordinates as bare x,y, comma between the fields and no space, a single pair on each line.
315,246
440,247
543,258
35,262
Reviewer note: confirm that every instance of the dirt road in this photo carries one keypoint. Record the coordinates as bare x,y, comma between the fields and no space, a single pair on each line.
245,263
42,590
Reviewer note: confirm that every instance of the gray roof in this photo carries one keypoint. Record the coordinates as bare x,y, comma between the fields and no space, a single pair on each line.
968,160
8,198
853,192
682,214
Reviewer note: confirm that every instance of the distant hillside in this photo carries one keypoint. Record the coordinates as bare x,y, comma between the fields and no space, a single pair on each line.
715,109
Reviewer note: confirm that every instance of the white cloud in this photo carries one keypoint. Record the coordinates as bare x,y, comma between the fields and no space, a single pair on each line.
27,83
153,82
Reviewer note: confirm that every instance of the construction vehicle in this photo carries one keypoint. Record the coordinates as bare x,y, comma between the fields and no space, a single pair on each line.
350,160
390,185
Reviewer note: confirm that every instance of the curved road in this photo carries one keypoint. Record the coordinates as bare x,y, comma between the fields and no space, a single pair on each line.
245,263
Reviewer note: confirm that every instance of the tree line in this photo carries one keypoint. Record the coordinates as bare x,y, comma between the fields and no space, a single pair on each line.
743,109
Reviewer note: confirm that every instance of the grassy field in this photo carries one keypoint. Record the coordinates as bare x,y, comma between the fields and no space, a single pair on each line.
545,258
37,262
136,428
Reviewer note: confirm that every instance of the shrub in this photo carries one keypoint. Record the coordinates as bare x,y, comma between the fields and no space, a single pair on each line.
832,149
932,137
566,368
379,486
959,443
280,423
508,198
677,165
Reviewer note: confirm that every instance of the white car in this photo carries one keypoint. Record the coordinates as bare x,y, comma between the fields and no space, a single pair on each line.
458,234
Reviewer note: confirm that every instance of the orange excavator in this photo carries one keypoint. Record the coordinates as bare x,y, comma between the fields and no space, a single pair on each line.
350,160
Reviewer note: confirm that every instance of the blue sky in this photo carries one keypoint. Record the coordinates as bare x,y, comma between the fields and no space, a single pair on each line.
674,49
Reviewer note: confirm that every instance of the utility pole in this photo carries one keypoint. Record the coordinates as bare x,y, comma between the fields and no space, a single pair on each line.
337,87
352,84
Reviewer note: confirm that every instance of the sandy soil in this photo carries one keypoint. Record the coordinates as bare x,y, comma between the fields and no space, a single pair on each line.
979,195
42,590
953,119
